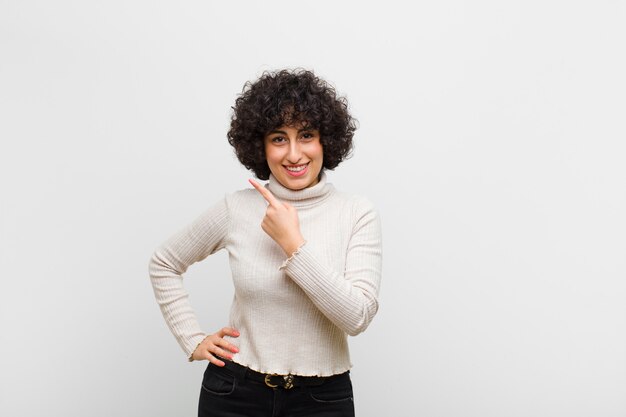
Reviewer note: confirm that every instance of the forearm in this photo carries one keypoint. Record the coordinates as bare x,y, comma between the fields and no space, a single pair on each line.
350,304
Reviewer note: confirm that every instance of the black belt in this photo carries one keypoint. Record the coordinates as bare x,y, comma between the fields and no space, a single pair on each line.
275,380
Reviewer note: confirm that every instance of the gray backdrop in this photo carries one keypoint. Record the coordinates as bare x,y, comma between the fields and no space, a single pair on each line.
491,139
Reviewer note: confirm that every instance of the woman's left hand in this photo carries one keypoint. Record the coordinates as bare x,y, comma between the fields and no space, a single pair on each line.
281,221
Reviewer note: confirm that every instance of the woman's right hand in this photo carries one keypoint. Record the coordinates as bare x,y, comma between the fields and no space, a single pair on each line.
215,344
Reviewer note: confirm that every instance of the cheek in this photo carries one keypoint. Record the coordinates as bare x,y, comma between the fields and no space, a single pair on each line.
320,153
317,151
270,155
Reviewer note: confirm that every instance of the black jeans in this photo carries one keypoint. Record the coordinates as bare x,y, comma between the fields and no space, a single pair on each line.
228,393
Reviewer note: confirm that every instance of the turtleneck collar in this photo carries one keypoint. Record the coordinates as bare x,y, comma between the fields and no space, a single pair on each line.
307,196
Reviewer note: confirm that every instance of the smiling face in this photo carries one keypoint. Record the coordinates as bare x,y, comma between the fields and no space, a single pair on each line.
294,155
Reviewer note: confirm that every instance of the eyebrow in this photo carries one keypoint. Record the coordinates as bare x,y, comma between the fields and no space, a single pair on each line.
282,132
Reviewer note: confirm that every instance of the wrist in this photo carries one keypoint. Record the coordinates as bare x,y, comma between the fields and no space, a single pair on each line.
293,254
191,357
292,246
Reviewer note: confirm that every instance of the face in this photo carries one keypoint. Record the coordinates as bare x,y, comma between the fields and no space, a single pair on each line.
294,155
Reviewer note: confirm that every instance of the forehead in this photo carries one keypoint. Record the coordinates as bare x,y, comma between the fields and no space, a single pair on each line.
291,121
288,129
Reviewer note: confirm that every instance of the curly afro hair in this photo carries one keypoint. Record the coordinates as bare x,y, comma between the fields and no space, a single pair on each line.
289,97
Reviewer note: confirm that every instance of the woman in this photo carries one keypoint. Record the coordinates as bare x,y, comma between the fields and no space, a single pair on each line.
305,260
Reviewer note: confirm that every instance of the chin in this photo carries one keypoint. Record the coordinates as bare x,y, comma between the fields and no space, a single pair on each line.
297,184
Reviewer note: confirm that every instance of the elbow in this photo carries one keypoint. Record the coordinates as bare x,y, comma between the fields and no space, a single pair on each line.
160,269
363,320
354,331
154,265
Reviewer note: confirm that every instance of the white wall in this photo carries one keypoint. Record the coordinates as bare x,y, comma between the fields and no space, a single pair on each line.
492,140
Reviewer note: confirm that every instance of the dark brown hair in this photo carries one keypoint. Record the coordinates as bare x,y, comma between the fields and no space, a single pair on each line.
289,97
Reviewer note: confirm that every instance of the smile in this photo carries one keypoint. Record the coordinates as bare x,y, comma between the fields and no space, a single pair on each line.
296,170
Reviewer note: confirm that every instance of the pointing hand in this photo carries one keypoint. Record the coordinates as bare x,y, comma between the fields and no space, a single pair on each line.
281,221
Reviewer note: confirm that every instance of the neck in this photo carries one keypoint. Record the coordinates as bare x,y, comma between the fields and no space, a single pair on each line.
307,196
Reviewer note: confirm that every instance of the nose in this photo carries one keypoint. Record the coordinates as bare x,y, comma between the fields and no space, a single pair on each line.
294,154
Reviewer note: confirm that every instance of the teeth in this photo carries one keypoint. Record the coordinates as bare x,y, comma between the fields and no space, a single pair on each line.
296,169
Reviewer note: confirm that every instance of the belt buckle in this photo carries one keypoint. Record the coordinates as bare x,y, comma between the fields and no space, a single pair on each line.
287,383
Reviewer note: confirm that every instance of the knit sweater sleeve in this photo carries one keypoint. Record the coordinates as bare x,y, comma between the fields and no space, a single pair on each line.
193,243
349,298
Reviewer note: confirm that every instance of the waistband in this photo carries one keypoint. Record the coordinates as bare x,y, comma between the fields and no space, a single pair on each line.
276,380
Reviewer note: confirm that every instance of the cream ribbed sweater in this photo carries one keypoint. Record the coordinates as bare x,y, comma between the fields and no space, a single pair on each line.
294,319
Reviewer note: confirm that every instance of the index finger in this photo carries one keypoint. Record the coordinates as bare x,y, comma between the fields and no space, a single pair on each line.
267,194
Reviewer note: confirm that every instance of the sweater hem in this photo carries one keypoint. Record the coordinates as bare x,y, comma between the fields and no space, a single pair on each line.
299,372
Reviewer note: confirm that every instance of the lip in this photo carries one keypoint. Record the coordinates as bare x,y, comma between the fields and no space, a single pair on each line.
299,173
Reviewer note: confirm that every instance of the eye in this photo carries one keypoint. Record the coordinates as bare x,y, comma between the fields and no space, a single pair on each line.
278,139
308,136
